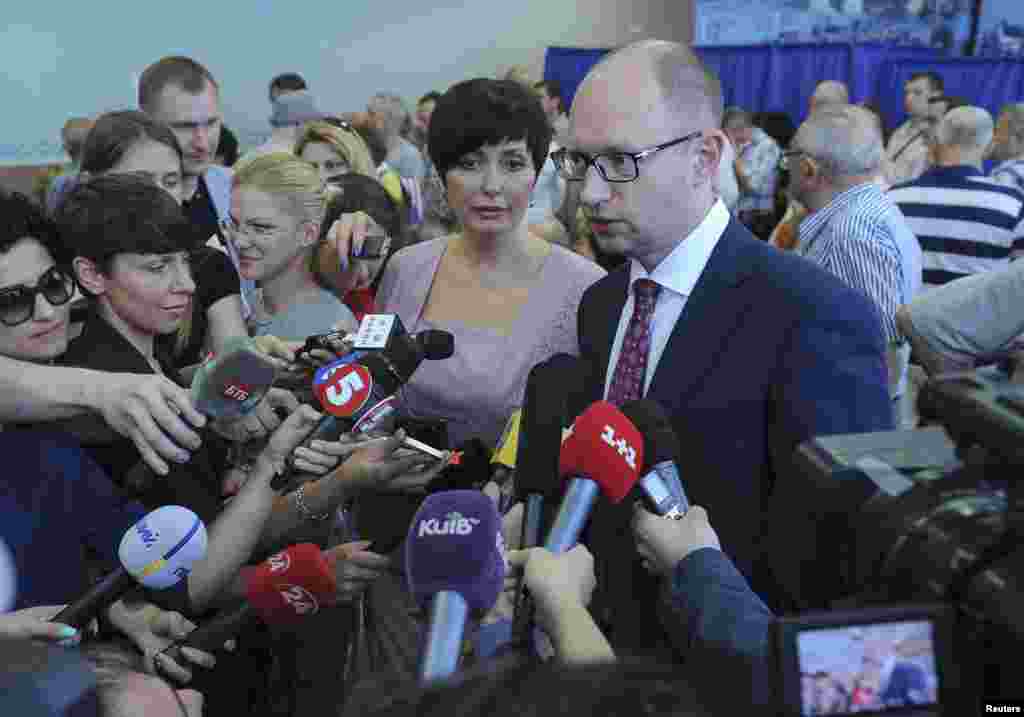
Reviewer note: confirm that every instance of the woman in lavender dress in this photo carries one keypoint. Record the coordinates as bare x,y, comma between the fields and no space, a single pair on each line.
509,298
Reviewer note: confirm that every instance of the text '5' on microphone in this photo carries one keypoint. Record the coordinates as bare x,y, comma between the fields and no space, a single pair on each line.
282,590
233,383
347,389
660,485
157,552
604,453
455,564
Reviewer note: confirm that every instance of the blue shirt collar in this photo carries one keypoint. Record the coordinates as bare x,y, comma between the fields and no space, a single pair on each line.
960,171
814,223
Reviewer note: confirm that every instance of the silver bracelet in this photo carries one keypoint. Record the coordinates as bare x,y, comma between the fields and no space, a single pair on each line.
304,510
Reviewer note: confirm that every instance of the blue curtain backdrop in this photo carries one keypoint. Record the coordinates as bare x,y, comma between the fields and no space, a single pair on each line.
569,65
985,83
781,78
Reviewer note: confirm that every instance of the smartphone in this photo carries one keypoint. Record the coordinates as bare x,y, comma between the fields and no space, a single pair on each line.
373,248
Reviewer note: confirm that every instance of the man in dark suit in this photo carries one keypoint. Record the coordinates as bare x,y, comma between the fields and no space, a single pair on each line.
749,350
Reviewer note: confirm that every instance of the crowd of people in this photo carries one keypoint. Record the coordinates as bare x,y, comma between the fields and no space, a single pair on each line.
664,239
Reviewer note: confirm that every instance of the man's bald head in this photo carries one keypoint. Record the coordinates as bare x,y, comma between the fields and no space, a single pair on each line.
687,86
829,92
968,128
652,106
844,139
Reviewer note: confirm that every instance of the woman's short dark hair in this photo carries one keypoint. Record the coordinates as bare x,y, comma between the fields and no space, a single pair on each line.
363,194
522,688
115,133
20,217
479,112
120,214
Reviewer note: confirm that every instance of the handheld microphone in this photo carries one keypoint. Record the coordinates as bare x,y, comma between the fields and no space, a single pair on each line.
550,389
357,392
233,384
660,484
282,590
8,578
455,563
545,413
157,552
604,453
228,386
468,469
506,452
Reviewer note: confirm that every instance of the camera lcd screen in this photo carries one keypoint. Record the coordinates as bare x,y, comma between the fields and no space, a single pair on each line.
867,668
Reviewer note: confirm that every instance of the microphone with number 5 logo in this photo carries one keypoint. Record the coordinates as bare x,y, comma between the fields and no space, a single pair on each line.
357,392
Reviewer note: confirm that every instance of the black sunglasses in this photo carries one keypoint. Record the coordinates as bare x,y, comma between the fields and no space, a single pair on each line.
18,303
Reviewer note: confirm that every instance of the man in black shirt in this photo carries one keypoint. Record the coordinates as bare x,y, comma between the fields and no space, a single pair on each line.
182,94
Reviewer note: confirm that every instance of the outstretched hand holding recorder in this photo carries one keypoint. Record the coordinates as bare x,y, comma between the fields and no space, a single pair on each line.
663,543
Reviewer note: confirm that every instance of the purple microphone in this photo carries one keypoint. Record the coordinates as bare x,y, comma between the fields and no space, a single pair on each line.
455,563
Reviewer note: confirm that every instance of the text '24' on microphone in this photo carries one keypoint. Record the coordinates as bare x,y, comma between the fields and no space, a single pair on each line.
455,565
157,552
286,588
660,486
603,454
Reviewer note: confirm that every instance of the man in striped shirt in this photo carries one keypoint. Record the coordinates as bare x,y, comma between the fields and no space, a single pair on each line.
1007,147
854,230
966,222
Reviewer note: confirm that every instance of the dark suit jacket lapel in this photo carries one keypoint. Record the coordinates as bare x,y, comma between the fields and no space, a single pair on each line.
713,311
604,321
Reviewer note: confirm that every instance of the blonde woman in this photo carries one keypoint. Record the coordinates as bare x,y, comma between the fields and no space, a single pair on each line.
277,205
334,148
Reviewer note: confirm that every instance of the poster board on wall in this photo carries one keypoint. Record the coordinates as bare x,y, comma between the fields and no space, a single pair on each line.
1001,29
944,24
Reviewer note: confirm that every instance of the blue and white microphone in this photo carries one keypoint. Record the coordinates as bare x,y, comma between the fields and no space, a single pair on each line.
157,552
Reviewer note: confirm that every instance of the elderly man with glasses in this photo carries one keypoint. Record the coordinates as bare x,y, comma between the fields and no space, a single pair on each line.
853,229
749,350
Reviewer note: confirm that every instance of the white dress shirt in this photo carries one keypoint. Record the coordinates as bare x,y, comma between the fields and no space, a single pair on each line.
677,274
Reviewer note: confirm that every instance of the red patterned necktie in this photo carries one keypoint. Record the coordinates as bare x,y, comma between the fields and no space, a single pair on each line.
631,370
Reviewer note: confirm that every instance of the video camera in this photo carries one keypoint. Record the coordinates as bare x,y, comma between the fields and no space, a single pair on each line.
925,516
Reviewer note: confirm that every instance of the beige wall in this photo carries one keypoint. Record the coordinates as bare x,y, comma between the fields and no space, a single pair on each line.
412,48
608,23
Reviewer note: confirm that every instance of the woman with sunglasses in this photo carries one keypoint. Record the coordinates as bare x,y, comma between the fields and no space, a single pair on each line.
509,298
35,292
